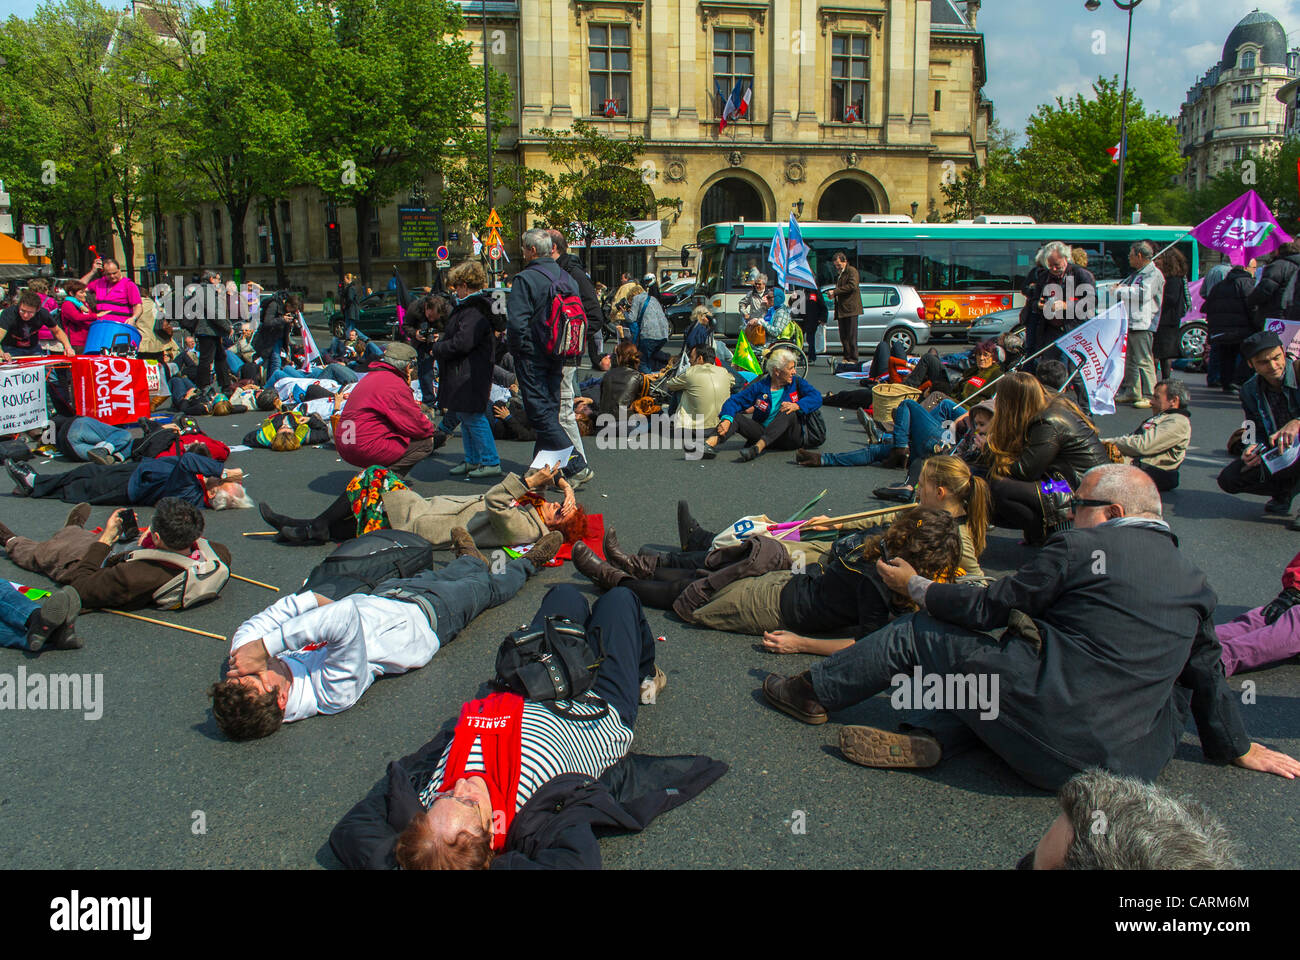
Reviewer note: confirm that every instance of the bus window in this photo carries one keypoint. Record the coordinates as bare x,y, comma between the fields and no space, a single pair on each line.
711,279
1188,250
745,259
1116,261
888,261
981,265
820,254
1025,252
936,266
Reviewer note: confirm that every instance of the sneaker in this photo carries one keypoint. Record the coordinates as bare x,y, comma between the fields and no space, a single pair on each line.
585,475
869,425
100,453
1142,403
492,470
22,475
651,687
462,468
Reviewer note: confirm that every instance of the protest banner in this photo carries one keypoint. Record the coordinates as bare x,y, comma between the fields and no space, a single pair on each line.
22,399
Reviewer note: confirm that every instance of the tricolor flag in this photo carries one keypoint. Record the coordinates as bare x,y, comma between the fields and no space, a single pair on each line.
1114,153
779,256
737,104
310,351
797,268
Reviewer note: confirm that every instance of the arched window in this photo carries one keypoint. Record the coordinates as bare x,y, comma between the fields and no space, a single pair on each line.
730,199
1248,60
843,199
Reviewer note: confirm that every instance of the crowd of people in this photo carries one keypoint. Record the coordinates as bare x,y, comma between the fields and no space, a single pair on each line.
531,774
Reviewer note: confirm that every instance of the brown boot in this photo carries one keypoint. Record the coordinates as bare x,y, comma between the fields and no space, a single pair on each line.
462,545
6,535
604,575
545,549
795,696
642,568
78,515
806,458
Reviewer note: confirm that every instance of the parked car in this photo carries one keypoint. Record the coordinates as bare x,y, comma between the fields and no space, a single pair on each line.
890,312
993,325
378,316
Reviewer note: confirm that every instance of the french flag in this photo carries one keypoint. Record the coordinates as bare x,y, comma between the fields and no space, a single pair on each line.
737,104
1114,153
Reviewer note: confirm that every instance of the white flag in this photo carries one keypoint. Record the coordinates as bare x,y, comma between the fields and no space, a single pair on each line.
310,351
1097,348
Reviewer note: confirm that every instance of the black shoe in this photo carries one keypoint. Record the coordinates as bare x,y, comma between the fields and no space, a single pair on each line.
310,532
899,492
690,535
1278,506
748,454
273,519
57,611
23,476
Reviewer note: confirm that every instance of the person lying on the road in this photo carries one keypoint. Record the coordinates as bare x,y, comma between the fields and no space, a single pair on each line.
151,571
751,589
173,439
1159,444
289,431
306,654
193,476
525,784
1145,829
1266,634
511,513
1099,666
30,625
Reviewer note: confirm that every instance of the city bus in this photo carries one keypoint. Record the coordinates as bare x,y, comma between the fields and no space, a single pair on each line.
962,271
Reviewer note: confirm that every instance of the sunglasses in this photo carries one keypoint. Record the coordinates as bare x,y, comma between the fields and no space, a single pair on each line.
1078,502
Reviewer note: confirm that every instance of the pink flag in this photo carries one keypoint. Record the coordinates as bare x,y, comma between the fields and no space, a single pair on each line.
1243,229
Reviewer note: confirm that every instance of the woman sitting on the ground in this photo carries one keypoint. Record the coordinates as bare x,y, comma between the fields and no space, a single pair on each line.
985,371
511,513
1037,437
782,605
622,385
768,412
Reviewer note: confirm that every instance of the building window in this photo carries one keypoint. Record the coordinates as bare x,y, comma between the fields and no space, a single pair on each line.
286,223
164,259
1254,119
218,240
609,60
1248,60
263,237
198,239
733,62
374,231
849,78
180,240
937,94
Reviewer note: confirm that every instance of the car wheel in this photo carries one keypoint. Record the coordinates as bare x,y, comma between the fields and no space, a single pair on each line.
902,335
1193,339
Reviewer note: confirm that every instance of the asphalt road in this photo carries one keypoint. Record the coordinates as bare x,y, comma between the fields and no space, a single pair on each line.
152,784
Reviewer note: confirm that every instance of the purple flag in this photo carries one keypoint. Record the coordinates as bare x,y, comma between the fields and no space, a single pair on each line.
1243,229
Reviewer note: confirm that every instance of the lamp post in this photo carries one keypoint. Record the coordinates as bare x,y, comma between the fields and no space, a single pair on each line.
1093,5
487,122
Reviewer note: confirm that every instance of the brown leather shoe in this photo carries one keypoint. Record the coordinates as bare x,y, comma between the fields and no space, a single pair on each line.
604,575
806,458
78,515
545,549
462,545
873,747
642,568
795,696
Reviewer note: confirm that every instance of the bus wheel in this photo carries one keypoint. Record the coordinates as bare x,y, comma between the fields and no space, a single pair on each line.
902,335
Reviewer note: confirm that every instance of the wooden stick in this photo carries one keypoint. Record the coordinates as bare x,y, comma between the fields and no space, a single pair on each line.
865,515
256,583
262,533
163,623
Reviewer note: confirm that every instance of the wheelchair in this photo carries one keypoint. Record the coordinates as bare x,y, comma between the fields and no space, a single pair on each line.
791,339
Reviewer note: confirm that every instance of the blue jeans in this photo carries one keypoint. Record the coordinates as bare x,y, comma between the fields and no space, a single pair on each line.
916,428
863,457
234,363
463,589
15,611
650,355
480,448
86,432
334,371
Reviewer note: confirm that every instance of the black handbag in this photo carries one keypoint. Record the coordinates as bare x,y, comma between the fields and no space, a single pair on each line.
15,449
553,663
814,429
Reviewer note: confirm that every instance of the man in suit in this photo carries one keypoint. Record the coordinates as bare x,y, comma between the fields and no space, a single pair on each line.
848,305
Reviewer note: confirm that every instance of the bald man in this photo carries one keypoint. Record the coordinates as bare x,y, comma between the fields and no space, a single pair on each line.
1099,666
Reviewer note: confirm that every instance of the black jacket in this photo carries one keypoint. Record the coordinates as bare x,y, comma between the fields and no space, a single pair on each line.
351,297
1227,307
554,830
464,354
1073,289
1266,298
619,388
1058,440
1123,653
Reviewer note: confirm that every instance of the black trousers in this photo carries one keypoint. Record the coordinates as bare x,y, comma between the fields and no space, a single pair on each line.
211,351
929,367
93,483
848,337
867,668
848,399
1017,505
1236,478
616,627
809,327
1165,480
783,433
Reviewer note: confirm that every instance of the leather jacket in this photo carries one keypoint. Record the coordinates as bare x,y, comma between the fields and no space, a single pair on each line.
1059,441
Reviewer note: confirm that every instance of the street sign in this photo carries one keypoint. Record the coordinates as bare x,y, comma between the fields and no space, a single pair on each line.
453,236
493,221
442,253
496,251
151,262
444,262
493,238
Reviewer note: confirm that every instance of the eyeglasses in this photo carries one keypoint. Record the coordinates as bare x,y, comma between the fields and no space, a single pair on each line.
1078,502
451,796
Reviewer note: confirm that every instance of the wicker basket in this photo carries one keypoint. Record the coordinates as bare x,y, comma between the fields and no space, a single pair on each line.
885,398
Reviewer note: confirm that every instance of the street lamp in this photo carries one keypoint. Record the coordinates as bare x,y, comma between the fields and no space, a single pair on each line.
797,206
1093,5
487,120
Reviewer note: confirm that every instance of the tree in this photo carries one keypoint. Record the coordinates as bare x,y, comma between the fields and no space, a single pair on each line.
1272,174
600,186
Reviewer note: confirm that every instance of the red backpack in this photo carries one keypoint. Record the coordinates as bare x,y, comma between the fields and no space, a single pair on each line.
564,326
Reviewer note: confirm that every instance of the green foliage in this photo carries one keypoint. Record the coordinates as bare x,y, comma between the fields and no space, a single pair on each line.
1272,175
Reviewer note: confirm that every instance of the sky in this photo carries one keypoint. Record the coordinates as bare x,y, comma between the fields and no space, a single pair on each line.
1038,50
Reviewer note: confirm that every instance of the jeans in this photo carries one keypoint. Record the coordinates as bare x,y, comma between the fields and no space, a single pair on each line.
87,432
862,457
652,356
424,370
617,623
480,448
462,590
334,371
1248,642
916,429
540,384
234,364
15,611
868,667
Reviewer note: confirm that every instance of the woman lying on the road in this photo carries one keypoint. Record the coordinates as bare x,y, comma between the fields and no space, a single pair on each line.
510,513
286,432
780,605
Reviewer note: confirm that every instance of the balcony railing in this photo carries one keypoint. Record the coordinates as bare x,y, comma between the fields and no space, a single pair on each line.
1242,101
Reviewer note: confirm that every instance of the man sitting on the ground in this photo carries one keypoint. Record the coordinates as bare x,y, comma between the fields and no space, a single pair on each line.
1100,668
193,476
306,654
1267,634
1145,829
1271,401
28,625
525,784
1160,443
703,388
80,557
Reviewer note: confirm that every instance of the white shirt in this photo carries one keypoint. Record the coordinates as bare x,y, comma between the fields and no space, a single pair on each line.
1142,297
335,652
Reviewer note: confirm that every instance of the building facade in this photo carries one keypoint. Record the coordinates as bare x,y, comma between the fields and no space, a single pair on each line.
857,106
1234,111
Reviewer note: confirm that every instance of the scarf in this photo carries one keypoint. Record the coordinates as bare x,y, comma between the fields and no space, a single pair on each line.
366,493
497,723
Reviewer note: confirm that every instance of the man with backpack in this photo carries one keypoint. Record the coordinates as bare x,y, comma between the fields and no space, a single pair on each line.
170,566
545,322
308,654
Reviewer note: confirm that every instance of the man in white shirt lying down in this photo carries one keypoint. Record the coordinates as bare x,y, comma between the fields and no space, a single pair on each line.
306,654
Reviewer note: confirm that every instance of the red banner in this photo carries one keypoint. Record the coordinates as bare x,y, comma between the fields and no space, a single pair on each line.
112,389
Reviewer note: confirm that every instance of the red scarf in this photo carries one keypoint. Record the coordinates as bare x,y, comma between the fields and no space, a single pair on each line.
497,722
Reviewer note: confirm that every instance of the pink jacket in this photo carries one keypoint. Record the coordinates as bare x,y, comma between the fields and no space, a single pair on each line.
76,323
380,419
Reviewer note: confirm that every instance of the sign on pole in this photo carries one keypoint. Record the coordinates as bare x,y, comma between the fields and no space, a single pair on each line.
493,238
417,233
22,398
442,253
496,251
151,262
494,221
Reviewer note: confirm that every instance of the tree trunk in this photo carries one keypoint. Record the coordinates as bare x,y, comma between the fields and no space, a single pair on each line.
281,277
236,212
363,207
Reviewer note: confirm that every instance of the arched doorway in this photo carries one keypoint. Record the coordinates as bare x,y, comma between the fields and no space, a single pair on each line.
845,198
730,199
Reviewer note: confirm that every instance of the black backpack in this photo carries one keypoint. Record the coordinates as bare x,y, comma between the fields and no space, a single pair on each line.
814,429
554,663
358,566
